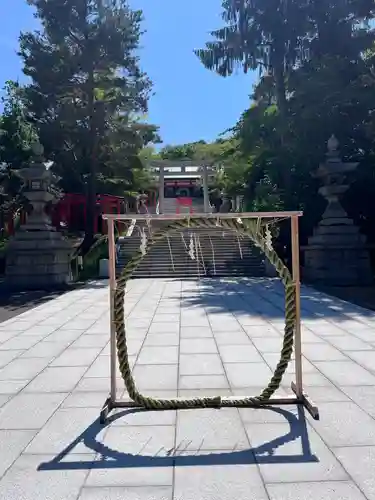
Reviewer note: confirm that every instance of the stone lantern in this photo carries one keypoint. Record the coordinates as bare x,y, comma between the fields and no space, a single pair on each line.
227,203
37,190
37,256
336,254
142,200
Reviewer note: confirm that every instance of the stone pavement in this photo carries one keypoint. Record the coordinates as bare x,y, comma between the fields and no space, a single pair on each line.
186,338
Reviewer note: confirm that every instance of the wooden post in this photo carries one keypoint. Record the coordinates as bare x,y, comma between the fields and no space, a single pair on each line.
206,199
112,286
297,285
161,189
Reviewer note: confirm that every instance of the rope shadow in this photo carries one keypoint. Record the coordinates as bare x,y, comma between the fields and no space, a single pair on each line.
108,458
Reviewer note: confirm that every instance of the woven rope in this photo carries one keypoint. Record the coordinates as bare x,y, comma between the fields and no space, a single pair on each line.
251,229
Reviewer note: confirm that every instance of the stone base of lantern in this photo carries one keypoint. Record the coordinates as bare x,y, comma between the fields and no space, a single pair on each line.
336,255
37,260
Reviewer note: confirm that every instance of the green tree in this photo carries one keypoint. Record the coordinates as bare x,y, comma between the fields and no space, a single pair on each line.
267,35
277,37
87,91
199,151
16,133
16,138
340,27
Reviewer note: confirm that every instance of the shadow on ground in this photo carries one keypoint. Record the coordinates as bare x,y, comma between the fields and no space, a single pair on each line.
363,296
262,296
108,458
14,302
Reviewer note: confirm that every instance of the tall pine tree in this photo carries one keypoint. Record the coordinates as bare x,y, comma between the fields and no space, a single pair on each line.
87,90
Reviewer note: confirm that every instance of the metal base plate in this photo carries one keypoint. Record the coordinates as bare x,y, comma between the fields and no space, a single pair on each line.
307,403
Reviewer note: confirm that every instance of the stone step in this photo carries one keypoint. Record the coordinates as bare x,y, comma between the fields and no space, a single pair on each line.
220,252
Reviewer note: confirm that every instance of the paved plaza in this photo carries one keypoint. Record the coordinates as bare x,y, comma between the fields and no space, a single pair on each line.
209,337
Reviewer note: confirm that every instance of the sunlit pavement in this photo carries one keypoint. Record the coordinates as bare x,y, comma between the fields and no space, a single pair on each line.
210,337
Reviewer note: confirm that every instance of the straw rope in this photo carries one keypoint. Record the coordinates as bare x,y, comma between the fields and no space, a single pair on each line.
252,230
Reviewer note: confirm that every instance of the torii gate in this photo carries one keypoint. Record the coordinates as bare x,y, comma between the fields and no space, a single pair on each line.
162,166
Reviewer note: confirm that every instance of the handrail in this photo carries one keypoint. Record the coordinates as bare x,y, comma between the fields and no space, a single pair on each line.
130,230
202,257
239,246
197,258
213,254
184,242
170,252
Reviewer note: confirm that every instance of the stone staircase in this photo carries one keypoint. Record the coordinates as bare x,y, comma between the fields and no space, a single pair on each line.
170,206
217,253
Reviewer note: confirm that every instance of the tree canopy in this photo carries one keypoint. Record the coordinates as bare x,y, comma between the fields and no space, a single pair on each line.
88,95
316,77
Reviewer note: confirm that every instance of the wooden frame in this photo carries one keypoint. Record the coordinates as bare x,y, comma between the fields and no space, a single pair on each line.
300,397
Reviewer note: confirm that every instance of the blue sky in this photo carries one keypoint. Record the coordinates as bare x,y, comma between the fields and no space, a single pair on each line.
190,102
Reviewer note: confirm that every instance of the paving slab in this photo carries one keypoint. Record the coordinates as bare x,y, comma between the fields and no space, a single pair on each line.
219,482
130,493
12,444
192,339
329,490
360,463
37,407
24,481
